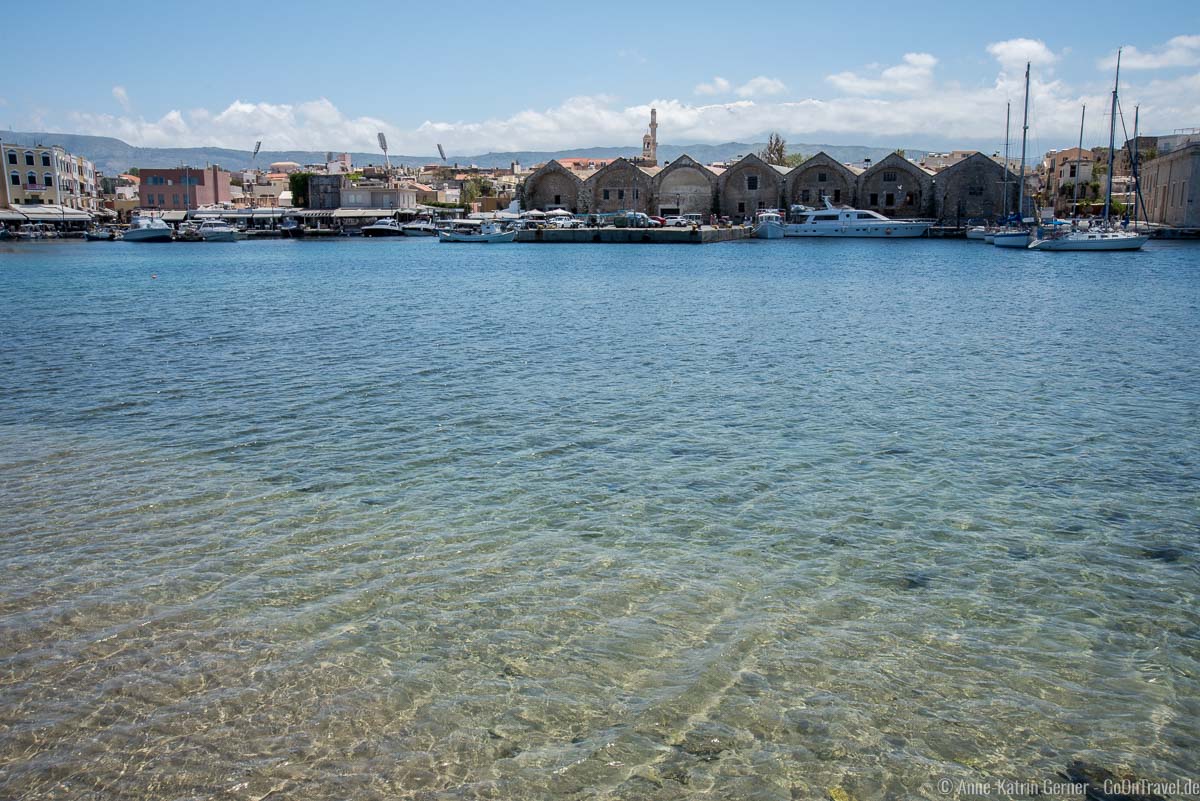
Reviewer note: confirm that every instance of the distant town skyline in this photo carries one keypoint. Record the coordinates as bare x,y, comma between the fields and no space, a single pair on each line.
529,78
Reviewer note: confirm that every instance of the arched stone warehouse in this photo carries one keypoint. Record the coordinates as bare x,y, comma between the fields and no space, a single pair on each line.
553,186
749,185
896,187
685,187
619,186
973,188
818,177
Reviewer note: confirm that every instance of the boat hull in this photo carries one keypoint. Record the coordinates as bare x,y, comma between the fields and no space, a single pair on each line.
147,235
230,236
418,231
484,239
381,232
899,230
1109,243
1018,239
771,230
977,233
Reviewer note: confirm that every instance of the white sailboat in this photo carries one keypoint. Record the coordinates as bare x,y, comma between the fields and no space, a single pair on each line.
1019,236
1106,236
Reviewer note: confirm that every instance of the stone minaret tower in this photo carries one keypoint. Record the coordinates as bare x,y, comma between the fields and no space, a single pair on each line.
650,141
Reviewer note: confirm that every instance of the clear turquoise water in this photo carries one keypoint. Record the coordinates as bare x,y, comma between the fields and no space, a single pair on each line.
393,519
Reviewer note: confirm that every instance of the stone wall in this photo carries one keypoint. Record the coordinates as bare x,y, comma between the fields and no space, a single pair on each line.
747,186
619,186
685,187
895,187
821,176
972,188
1169,188
554,186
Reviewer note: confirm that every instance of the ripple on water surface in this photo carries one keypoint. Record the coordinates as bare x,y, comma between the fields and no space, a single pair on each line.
394,520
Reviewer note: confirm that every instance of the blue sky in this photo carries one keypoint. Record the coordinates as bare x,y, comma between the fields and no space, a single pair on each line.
494,76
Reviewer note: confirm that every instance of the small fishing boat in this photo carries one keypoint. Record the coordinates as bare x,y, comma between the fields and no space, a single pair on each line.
149,229
768,225
487,232
102,234
385,227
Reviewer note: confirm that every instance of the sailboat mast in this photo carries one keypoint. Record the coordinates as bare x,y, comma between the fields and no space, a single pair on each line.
1024,136
1112,139
1137,181
1078,159
1007,118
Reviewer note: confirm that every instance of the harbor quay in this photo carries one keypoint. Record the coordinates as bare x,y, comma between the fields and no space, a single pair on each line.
50,193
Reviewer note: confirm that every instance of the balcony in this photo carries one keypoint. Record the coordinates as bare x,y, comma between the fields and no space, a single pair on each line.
35,187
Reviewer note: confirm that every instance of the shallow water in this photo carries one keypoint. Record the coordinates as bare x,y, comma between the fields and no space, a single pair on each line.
394,519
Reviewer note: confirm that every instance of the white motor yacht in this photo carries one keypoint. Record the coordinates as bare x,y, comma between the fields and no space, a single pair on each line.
217,231
385,227
768,225
419,228
832,221
149,229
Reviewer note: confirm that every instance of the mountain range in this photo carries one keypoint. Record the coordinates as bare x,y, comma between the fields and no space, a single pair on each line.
113,156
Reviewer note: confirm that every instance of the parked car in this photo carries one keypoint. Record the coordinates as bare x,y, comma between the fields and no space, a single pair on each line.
694,219
660,220
675,222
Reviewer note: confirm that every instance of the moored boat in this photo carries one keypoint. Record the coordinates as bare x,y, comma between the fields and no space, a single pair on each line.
834,221
217,231
768,225
1091,240
419,228
149,229
1015,238
385,227
102,234
486,232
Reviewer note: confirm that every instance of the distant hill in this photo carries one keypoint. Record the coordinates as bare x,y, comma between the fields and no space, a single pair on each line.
114,156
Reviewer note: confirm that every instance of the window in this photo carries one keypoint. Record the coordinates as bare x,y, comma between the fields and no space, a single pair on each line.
889,200
762,204
874,199
620,194
12,157
48,180
28,158
1073,170
805,195
822,177
45,159
889,176
741,208
174,200
606,194
31,179
751,183
558,200
837,196
161,201
15,179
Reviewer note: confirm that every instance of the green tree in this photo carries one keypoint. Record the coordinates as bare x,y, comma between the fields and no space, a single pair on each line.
794,159
776,150
298,184
134,171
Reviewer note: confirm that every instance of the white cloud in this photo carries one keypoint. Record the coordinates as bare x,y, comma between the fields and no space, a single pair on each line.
762,85
1182,51
122,97
913,74
1014,53
718,86
879,101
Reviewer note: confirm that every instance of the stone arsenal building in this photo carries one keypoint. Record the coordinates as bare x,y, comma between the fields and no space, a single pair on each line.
894,186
